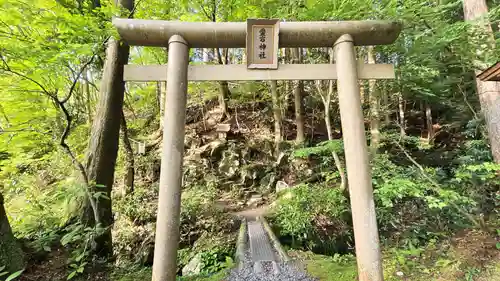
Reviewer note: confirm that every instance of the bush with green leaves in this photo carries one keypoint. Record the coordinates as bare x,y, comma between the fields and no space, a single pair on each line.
320,159
136,216
11,276
479,182
215,251
417,204
313,214
80,240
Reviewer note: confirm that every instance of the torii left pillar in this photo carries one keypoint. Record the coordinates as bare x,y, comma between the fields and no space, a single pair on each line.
169,198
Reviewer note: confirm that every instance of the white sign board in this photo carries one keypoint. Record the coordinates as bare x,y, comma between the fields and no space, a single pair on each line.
262,43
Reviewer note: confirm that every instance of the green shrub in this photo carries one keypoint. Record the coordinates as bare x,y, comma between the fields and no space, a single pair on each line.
416,205
313,214
133,233
140,206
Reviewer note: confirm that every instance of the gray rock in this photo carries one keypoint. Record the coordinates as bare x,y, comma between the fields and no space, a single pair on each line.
255,200
193,267
281,185
282,159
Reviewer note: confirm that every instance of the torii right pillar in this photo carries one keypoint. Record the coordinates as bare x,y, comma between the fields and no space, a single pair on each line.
358,167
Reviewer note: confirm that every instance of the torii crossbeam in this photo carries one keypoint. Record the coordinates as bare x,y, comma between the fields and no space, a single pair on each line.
343,36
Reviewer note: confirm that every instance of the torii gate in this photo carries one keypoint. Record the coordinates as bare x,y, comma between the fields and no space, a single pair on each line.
262,65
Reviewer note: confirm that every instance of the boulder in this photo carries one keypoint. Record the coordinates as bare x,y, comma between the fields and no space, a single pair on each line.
281,185
255,200
193,267
268,182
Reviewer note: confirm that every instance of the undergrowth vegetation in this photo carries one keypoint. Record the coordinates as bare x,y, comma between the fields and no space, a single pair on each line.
418,209
248,146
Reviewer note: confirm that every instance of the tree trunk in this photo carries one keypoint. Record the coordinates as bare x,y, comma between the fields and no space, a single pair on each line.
224,92
11,255
326,103
374,107
104,139
428,121
129,158
88,99
277,115
286,97
401,111
297,97
387,106
206,55
160,94
489,92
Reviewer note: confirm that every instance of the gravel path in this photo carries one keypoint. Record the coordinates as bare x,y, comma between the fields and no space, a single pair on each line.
287,272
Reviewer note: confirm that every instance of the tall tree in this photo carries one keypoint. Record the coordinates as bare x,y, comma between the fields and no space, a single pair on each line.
326,98
278,136
104,139
297,97
374,99
489,92
224,92
129,158
11,255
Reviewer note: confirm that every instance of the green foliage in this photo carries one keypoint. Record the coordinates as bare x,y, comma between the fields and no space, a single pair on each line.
215,260
412,204
45,43
330,268
322,149
80,240
134,228
41,202
9,277
313,214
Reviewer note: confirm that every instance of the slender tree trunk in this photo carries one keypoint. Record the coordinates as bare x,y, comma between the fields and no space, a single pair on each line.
224,92
129,158
287,101
489,92
297,97
104,139
277,115
387,107
160,94
206,55
374,107
428,121
401,111
326,98
326,103
88,100
11,255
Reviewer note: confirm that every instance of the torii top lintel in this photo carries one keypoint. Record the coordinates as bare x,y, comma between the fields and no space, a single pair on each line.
313,34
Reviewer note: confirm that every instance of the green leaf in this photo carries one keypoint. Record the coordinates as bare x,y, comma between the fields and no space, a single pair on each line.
498,245
71,275
14,275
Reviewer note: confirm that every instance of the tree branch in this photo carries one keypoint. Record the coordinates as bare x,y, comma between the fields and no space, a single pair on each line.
75,80
8,69
67,129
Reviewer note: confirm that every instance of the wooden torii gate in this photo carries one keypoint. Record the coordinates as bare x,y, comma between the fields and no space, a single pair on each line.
262,65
